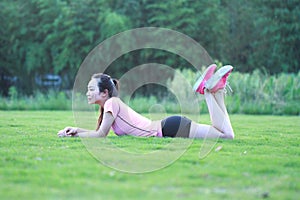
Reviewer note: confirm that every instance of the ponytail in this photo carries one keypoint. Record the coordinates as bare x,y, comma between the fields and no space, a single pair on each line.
116,82
115,93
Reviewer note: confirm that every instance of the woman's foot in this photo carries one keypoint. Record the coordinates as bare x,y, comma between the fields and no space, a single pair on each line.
201,82
219,79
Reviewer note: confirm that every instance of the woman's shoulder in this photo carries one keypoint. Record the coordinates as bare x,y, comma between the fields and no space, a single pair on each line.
113,100
115,104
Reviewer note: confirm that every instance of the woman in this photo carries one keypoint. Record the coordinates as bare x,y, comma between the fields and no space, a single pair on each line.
103,90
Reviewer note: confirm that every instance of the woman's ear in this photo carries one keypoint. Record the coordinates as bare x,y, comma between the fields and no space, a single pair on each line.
104,93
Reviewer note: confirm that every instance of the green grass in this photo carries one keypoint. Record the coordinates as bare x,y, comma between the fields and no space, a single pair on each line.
262,162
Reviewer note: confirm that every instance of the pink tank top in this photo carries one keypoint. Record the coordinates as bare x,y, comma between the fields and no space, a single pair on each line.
129,122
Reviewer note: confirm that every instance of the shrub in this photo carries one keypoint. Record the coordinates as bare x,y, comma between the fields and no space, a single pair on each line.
52,100
253,93
260,93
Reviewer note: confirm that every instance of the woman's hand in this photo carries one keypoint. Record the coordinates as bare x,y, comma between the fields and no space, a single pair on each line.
68,132
106,124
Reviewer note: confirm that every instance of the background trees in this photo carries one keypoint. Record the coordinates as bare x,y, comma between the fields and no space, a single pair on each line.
54,36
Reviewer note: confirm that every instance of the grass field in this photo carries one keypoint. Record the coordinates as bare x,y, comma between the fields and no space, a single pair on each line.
262,162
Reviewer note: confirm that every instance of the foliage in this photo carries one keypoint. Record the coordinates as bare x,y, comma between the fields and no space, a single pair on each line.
261,162
42,37
256,92
278,40
253,93
46,36
53,100
259,93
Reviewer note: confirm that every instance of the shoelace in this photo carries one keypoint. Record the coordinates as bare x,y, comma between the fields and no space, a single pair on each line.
227,87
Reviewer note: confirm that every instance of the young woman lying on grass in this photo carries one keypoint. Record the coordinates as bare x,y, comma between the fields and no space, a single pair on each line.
115,114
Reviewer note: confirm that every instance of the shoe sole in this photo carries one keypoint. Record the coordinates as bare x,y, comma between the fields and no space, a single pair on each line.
203,76
213,81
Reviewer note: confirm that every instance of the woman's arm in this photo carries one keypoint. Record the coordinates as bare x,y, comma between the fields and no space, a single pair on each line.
106,124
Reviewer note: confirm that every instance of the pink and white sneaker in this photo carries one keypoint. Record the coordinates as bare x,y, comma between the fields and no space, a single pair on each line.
219,79
201,81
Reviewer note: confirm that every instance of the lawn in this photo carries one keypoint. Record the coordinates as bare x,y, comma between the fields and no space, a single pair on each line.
263,161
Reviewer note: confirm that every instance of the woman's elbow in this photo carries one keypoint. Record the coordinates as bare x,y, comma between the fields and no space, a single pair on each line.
101,134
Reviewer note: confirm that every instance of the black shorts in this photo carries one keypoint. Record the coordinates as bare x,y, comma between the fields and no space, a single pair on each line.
176,126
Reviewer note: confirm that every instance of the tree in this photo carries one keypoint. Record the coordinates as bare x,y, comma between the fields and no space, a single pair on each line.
47,36
278,46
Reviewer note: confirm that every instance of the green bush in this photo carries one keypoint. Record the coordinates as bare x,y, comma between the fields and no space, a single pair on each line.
259,93
255,93
52,100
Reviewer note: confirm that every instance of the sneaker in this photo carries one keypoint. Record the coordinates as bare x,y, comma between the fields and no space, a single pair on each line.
201,81
219,79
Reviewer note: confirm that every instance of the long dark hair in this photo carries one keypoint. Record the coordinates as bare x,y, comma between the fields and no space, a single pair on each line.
105,82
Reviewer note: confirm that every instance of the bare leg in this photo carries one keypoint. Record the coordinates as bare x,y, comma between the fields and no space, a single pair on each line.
219,96
204,131
221,126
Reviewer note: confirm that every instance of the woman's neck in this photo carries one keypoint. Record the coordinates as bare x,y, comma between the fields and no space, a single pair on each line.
103,102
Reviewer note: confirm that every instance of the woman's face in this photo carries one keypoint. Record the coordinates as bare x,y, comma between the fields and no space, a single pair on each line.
93,94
